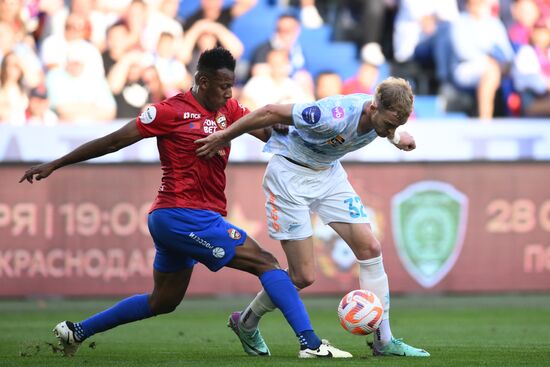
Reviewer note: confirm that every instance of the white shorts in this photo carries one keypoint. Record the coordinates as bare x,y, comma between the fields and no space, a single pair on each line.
293,191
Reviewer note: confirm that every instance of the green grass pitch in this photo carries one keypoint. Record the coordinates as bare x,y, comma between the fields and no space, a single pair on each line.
509,330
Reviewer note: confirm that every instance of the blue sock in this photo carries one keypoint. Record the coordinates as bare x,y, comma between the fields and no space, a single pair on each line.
284,295
130,309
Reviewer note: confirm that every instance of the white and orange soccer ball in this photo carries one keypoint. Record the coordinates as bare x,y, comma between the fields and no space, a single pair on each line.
360,312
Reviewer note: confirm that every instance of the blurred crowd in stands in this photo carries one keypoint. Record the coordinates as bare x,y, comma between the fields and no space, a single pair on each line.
80,61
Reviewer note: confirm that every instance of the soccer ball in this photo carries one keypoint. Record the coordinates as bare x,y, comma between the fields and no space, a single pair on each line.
360,312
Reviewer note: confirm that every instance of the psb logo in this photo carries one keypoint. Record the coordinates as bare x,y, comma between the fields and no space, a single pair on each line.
218,252
311,115
429,221
234,234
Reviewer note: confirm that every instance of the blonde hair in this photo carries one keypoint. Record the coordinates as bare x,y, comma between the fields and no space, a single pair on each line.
395,94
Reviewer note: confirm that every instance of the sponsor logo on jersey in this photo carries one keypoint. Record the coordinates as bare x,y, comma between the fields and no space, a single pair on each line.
429,221
221,121
191,115
338,112
311,115
209,126
218,252
337,140
234,234
201,241
148,115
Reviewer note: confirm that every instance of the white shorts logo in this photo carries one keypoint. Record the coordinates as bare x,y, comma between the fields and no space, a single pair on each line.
218,252
148,115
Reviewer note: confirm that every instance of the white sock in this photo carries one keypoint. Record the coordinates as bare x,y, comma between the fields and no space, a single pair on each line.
260,305
373,277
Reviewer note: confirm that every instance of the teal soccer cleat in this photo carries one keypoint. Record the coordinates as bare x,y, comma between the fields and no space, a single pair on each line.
253,343
398,348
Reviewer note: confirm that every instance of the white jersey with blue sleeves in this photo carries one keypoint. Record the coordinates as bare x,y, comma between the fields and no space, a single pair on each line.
323,132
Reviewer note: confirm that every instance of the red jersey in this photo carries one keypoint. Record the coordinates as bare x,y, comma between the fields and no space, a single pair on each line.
187,180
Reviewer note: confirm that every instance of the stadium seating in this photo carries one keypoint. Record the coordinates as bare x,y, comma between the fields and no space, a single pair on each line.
255,27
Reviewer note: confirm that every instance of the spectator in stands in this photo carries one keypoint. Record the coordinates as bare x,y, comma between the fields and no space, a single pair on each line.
544,7
482,54
212,10
368,75
55,48
327,83
275,87
172,72
97,21
13,99
39,112
50,20
421,39
215,11
531,72
361,21
284,38
525,14
136,18
309,14
78,96
164,20
117,45
128,85
11,12
27,58
151,78
205,35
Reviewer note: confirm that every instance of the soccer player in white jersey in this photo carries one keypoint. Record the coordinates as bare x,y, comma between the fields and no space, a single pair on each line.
305,175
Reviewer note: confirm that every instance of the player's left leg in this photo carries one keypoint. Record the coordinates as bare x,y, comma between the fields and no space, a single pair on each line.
301,269
373,277
169,290
250,257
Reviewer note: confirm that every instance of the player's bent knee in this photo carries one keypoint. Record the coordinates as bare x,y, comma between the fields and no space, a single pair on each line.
159,307
369,250
303,281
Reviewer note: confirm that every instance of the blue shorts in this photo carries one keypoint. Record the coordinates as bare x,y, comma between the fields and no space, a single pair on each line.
184,237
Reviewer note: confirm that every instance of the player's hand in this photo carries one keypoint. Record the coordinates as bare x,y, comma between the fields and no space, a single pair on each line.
406,142
211,144
38,172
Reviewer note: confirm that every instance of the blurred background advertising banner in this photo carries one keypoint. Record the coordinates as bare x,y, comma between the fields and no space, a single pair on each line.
437,140
444,227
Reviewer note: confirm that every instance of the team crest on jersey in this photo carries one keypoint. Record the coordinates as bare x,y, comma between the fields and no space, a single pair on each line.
337,140
221,121
234,234
148,115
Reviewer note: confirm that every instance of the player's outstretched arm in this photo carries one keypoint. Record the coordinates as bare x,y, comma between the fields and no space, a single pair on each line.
126,135
404,142
266,116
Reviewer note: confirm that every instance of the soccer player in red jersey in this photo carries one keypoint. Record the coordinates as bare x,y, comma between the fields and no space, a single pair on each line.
186,220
